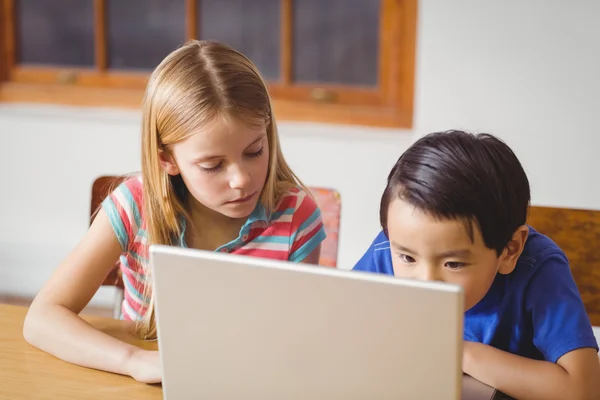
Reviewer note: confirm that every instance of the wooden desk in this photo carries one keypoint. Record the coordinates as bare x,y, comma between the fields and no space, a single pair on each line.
28,373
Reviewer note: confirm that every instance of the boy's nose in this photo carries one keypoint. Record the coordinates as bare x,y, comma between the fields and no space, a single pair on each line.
430,273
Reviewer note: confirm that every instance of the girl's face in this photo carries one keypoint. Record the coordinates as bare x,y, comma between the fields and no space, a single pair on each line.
224,166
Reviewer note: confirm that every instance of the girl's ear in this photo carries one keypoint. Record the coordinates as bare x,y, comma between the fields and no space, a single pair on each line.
513,250
167,162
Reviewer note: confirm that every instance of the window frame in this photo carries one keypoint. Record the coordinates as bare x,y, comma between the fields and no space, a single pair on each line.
390,104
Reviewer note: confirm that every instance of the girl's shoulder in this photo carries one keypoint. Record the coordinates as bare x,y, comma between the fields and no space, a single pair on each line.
133,182
290,198
296,202
129,193
124,206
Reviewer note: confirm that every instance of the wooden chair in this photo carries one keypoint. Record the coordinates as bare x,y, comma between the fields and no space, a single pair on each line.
328,200
101,187
577,232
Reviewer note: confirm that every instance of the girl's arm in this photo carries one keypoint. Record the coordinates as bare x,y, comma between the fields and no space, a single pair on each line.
313,258
52,322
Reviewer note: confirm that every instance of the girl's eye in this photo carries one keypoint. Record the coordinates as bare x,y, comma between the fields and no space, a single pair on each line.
406,258
256,154
213,168
217,167
454,265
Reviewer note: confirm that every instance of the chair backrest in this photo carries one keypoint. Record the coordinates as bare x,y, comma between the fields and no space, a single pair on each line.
328,201
577,233
101,188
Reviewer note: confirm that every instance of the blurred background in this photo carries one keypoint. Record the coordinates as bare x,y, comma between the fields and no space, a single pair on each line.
354,83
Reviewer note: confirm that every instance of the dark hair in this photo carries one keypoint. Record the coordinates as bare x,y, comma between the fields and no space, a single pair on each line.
458,175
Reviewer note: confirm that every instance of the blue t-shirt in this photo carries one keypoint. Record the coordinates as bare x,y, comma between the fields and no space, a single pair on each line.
536,311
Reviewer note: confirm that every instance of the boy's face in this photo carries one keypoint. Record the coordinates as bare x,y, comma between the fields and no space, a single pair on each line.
428,249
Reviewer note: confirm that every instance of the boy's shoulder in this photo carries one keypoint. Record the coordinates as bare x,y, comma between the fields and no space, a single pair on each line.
378,257
542,260
538,302
539,247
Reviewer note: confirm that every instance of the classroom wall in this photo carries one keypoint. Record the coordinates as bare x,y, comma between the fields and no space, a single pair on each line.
525,71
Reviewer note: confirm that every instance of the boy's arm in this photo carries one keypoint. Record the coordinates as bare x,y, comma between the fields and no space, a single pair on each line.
576,375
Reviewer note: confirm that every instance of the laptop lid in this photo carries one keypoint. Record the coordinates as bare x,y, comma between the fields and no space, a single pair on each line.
231,326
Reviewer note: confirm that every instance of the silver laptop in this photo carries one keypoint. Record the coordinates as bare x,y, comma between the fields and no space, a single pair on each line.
236,327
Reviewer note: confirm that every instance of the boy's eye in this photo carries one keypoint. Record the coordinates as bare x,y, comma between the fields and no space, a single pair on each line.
454,265
406,258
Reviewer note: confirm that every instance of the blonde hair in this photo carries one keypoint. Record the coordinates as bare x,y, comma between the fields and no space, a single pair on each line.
193,85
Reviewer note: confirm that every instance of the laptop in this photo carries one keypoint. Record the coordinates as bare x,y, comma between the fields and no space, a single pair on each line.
239,327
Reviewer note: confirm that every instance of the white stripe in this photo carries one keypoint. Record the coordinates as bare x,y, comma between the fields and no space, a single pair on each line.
124,203
140,277
386,243
308,229
300,195
133,296
381,248
284,218
266,246
142,239
130,312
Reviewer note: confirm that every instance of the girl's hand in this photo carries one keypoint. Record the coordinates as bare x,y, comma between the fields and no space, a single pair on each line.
144,366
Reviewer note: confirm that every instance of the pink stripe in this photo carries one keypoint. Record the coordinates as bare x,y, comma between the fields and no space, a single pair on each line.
135,274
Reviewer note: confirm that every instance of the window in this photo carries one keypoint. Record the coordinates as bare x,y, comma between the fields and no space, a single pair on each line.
339,61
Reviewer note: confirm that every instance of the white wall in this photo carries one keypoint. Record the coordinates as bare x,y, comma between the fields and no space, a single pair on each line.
525,71
528,71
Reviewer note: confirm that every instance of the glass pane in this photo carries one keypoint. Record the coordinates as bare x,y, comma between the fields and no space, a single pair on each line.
142,32
251,27
336,41
57,32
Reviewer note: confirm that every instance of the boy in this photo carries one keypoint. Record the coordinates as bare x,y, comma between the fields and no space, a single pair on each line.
454,210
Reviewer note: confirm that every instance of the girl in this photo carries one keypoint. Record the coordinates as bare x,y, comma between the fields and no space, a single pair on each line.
213,178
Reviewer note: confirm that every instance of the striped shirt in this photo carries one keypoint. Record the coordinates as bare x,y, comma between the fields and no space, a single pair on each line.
291,232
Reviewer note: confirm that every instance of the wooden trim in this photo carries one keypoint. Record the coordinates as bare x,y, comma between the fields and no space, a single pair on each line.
397,56
9,35
403,97
191,21
389,104
79,77
131,98
337,114
286,42
336,94
341,95
3,50
70,95
100,44
387,34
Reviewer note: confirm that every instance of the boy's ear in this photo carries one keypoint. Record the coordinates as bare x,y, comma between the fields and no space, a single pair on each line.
513,250
168,163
